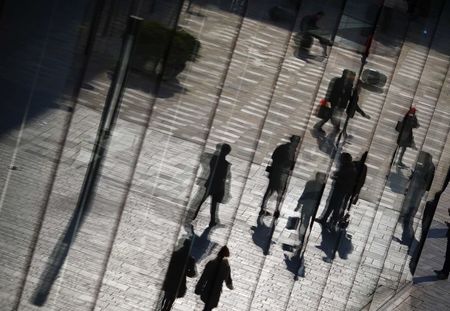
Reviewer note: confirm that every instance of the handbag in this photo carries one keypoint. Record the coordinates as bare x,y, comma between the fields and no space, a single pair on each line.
399,126
324,111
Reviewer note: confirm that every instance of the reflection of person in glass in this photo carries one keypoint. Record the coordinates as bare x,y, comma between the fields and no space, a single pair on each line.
181,264
405,137
283,161
343,187
217,183
420,182
309,203
216,271
308,29
338,94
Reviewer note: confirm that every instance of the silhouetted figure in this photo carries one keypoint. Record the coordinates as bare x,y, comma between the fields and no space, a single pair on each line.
181,265
216,271
338,94
216,183
343,187
308,29
405,137
443,273
361,173
309,203
283,161
420,182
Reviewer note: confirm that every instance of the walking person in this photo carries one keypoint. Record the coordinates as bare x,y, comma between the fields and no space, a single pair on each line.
361,173
181,265
343,187
405,137
283,161
217,183
339,94
308,29
444,272
216,271
309,203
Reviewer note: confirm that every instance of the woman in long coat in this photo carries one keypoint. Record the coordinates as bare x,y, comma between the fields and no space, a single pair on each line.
405,137
209,287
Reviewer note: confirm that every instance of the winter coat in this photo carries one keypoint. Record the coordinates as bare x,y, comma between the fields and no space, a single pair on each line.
405,136
283,160
209,287
339,92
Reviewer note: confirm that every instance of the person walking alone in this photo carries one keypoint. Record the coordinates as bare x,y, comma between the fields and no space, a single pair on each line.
216,271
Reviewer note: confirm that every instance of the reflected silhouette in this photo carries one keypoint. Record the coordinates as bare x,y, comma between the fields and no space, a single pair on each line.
328,243
218,183
181,265
420,182
342,190
283,161
398,181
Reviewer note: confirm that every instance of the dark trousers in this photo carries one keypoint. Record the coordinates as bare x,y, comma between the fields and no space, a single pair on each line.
336,206
446,267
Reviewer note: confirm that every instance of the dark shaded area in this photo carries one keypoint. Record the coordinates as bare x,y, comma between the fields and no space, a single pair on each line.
203,246
424,279
260,233
398,182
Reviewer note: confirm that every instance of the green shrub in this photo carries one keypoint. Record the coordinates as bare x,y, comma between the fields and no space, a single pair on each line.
152,45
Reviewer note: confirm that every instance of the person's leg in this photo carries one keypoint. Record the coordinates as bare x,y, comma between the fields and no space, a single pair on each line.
400,156
338,208
266,197
443,274
318,125
205,196
336,118
213,211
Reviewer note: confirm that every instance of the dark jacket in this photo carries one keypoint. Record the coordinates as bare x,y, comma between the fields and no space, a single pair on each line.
345,178
339,92
181,265
215,184
361,173
209,287
353,106
405,136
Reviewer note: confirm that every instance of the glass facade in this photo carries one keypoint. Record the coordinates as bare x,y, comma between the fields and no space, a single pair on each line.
229,154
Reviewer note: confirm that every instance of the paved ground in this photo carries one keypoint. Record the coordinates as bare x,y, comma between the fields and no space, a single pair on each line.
249,89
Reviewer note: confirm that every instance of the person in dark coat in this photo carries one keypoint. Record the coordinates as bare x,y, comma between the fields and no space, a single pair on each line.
308,25
283,161
216,183
216,271
361,171
343,187
338,94
444,272
181,265
420,182
405,137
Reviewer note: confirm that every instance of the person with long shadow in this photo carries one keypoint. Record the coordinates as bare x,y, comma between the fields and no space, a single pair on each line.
209,286
217,183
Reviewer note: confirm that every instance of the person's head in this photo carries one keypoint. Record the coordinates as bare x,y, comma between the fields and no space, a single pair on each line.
294,139
346,158
321,177
224,252
412,110
225,149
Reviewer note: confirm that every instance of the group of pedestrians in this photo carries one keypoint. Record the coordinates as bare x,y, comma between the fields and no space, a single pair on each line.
210,284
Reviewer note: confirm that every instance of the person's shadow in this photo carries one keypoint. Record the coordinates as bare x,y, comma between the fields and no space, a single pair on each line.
202,246
326,143
335,242
261,233
398,181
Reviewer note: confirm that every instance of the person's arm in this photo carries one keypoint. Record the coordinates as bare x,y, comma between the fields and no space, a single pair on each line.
228,280
361,112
